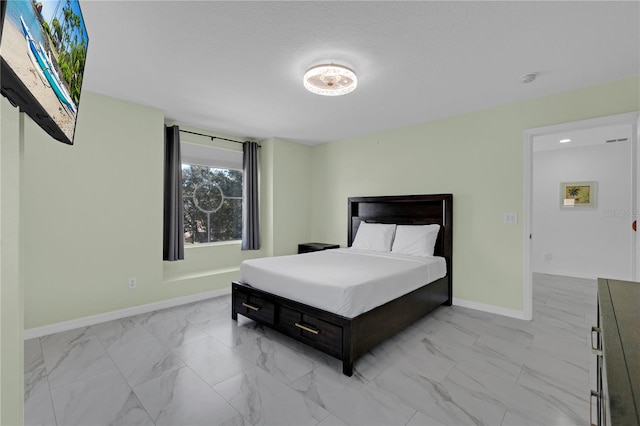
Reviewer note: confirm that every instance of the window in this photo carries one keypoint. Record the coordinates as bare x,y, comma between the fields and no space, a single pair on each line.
212,194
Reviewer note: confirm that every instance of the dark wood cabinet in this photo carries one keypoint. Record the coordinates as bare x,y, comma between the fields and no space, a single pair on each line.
309,247
615,341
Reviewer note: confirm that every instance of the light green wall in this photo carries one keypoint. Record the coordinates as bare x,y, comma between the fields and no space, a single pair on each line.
93,218
11,272
266,196
476,156
285,200
93,215
291,195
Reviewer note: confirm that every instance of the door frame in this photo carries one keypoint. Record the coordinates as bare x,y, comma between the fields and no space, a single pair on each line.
631,118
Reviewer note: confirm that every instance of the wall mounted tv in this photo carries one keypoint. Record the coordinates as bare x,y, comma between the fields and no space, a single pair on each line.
43,48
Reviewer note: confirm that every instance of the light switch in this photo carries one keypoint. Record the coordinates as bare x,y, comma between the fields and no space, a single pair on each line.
511,218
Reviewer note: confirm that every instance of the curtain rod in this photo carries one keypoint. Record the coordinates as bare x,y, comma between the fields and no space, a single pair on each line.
214,137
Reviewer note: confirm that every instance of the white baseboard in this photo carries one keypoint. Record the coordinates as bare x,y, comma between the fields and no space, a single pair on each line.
121,313
32,333
489,308
567,274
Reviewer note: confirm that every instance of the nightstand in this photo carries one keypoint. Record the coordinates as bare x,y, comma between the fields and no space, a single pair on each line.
309,247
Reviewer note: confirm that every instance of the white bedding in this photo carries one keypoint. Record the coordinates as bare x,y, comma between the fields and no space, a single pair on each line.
346,282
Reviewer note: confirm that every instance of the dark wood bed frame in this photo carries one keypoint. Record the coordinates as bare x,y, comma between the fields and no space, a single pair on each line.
349,338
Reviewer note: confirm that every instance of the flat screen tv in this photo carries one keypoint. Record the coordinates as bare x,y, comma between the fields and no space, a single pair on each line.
43,48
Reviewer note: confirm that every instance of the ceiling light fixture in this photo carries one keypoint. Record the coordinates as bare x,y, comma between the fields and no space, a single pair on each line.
330,80
565,140
528,78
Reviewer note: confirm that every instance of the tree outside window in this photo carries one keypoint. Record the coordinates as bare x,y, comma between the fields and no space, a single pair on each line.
212,204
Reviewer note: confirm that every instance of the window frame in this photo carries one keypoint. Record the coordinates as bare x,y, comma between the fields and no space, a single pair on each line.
212,157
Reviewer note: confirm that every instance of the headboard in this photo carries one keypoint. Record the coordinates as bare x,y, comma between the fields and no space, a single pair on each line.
407,210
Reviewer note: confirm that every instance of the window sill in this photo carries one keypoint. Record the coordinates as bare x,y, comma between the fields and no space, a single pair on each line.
216,244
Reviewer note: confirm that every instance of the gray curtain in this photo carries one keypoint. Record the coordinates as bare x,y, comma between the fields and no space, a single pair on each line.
173,232
250,211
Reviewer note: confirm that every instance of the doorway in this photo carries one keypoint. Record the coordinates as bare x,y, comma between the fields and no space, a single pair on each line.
558,236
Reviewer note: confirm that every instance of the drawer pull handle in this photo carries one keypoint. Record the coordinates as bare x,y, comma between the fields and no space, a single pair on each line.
595,350
597,395
253,308
305,328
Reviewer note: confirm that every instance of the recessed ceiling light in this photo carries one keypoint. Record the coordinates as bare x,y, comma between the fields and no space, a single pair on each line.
565,140
330,80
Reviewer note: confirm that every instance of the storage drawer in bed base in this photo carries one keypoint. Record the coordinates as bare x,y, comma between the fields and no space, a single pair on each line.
254,307
313,331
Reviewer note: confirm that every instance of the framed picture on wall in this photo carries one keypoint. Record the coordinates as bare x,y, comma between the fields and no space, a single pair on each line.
578,194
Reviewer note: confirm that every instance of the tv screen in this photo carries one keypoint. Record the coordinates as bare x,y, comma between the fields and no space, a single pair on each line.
43,48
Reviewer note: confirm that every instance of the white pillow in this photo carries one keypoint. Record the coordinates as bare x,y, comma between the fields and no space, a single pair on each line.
374,237
415,240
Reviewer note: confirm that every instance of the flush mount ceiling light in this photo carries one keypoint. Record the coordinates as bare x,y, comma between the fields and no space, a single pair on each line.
528,78
330,80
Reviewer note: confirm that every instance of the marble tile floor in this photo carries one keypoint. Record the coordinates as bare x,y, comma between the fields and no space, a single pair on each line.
193,365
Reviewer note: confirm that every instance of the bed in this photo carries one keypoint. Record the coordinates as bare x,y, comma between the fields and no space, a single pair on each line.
341,333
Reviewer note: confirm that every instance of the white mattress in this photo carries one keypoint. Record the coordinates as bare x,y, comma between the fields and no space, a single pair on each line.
346,282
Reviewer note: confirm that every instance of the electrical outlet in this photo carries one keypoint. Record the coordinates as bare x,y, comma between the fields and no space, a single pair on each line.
132,282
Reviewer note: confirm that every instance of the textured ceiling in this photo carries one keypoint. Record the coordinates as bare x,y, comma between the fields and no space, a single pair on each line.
236,67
